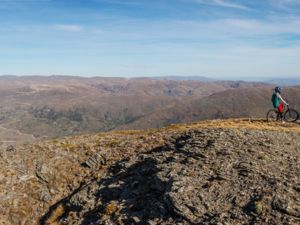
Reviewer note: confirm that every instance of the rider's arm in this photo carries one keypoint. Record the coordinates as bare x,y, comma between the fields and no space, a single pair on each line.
279,96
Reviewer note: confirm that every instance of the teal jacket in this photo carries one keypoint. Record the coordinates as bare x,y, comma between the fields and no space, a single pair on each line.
275,100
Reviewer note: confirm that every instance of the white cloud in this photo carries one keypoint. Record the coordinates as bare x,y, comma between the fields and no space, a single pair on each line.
235,28
290,7
69,28
120,2
272,27
222,3
285,2
268,52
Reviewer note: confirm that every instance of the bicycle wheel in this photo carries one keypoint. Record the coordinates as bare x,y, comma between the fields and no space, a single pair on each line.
291,115
272,115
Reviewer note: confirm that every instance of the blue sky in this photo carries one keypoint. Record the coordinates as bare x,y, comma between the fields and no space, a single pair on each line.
246,39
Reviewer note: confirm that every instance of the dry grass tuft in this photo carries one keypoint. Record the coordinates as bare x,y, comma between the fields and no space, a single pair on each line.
257,124
111,208
68,146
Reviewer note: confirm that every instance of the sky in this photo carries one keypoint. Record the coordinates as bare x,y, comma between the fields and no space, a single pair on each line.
228,39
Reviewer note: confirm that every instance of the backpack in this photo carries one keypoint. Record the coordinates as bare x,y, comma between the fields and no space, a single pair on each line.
275,100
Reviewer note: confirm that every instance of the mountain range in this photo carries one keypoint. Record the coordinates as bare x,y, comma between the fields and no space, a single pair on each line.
39,107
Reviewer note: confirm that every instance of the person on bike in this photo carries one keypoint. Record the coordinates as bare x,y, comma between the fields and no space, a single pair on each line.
278,101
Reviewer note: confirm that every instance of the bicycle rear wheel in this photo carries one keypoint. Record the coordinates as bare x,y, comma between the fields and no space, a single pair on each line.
272,115
291,115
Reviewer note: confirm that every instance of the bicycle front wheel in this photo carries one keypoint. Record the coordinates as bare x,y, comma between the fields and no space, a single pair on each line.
272,115
291,115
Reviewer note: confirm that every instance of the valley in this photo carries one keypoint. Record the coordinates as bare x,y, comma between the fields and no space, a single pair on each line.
38,108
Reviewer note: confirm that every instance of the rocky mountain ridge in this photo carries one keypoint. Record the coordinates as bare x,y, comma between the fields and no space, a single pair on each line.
212,172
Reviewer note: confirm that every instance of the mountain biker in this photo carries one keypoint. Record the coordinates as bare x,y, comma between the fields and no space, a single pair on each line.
278,101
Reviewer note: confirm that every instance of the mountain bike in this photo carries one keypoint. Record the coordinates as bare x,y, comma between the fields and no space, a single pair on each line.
289,115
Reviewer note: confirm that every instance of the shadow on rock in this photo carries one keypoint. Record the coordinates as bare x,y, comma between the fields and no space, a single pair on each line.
131,194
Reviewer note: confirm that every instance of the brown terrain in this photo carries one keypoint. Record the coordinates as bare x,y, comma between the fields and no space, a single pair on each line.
251,102
36,107
241,171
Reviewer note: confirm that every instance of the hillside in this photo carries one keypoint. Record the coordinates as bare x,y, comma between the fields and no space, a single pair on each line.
37,107
235,103
210,172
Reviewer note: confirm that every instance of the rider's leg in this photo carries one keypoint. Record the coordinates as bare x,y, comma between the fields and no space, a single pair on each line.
280,110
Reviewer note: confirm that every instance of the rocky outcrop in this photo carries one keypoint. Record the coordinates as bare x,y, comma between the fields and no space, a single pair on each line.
199,176
212,172
35,177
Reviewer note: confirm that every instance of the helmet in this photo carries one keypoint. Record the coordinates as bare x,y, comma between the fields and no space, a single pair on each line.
277,89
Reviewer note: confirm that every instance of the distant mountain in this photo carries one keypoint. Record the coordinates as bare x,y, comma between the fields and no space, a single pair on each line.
180,78
232,103
285,81
54,106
